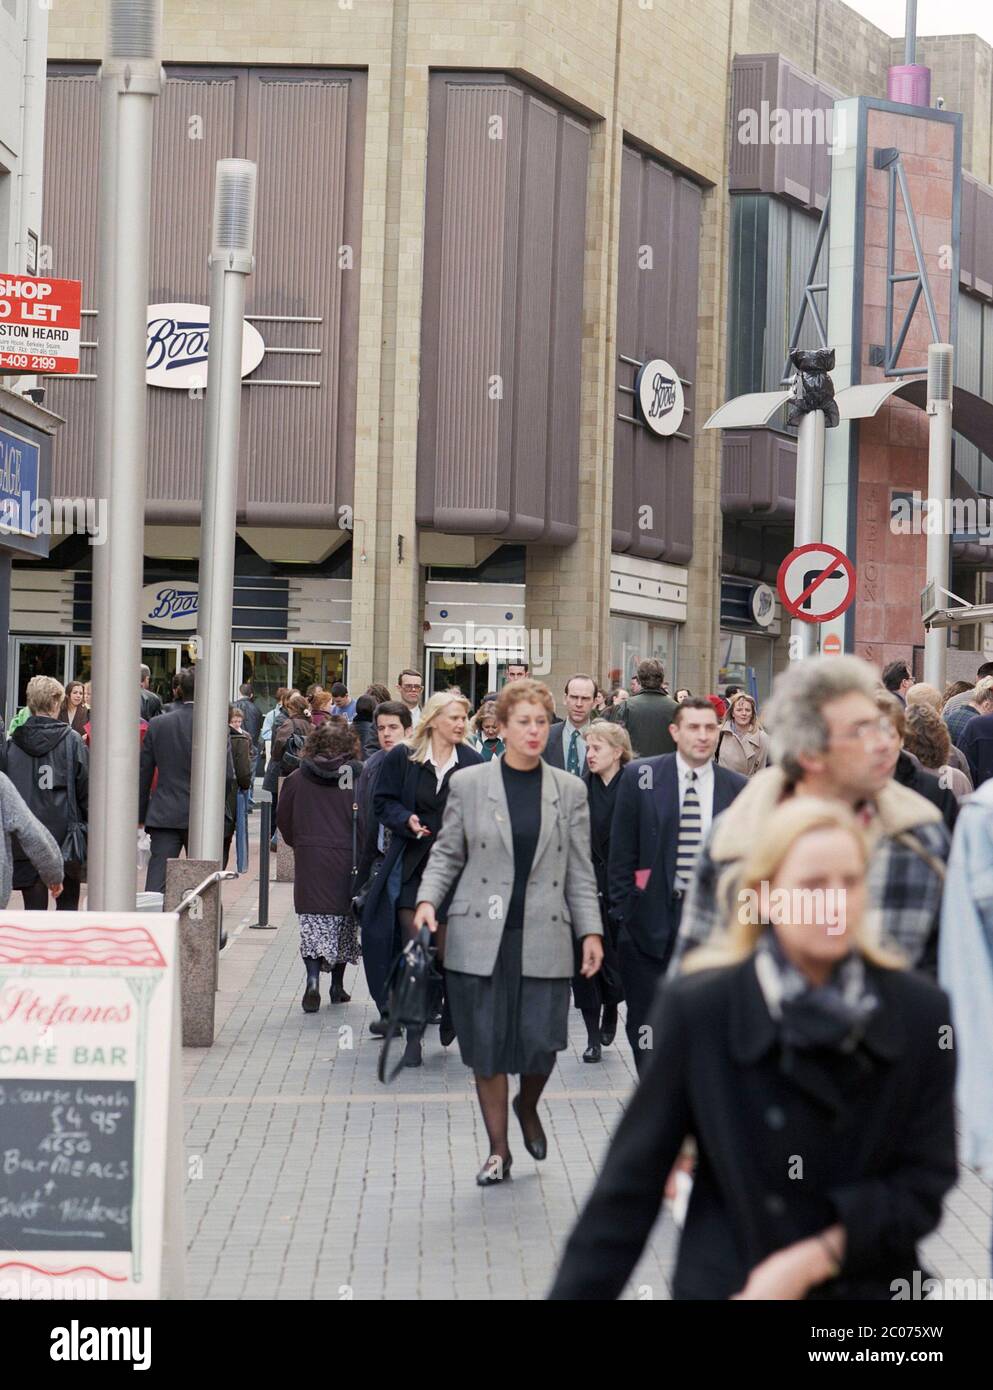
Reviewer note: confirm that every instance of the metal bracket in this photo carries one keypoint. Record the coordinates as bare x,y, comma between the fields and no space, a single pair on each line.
887,356
810,288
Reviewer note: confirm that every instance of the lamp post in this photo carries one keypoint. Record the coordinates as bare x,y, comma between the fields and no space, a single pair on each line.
131,77
231,260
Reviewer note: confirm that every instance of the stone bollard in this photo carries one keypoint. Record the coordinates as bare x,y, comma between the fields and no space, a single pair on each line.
199,929
285,860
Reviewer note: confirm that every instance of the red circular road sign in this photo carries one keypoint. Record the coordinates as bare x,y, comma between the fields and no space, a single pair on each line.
801,579
831,645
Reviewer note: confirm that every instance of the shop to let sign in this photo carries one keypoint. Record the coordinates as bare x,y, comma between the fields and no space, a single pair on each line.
90,1156
39,324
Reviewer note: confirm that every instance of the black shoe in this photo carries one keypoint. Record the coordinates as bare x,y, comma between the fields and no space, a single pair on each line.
537,1148
494,1170
436,1018
337,993
378,1026
412,1055
312,994
592,1053
608,1025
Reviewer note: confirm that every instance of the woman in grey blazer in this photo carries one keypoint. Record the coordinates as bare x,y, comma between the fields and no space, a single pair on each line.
515,846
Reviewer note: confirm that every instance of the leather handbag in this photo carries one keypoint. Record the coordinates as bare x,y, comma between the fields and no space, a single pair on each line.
74,845
411,986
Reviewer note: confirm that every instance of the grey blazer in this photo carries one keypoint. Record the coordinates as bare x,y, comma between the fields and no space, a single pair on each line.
475,846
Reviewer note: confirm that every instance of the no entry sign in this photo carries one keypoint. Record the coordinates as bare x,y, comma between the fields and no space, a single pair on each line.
816,582
39,324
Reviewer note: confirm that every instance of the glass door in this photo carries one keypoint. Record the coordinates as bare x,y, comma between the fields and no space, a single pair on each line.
163,661
267,668
35,656
462,670
317,666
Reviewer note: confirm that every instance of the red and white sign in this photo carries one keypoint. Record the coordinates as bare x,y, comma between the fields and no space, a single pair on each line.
39,324
816,582
831,646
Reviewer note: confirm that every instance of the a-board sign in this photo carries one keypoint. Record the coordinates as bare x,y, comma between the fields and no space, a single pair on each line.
90,1119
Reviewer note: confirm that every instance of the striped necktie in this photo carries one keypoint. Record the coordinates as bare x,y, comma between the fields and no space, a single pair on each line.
572,762
690,833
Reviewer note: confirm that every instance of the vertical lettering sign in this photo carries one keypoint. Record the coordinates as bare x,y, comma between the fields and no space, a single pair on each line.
88,1094
39,324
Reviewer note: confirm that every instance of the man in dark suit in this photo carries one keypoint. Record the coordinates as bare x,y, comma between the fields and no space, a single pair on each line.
566,746
665,807
149,703
250,713
165,813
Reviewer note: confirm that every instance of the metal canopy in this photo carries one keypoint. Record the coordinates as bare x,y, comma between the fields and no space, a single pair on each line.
859,402
748,411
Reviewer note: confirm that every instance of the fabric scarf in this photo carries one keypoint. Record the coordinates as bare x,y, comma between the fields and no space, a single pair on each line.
832,1016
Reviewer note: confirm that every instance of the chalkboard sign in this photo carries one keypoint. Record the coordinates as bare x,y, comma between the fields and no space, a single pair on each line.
91,1158
66,1165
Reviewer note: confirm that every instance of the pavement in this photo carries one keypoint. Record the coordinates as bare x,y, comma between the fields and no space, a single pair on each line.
308,1179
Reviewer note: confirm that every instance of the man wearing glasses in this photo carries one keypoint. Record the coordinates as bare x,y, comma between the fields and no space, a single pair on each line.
830,740
411,687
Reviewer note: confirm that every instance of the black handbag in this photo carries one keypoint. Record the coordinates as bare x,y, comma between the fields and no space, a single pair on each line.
411,986
74,846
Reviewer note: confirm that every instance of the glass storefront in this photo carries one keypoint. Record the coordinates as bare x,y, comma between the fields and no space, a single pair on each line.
639,639
746,661
268,668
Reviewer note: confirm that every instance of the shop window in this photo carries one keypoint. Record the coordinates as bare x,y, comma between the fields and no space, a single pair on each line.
638,639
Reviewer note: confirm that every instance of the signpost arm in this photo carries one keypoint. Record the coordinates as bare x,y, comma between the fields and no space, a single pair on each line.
939,484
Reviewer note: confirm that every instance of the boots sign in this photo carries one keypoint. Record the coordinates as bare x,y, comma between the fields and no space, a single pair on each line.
177,343
171,605
659,393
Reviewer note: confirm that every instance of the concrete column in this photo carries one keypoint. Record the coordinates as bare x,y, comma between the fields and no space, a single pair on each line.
199,932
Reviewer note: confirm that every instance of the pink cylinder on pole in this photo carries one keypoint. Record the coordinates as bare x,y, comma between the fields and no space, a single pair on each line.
909,84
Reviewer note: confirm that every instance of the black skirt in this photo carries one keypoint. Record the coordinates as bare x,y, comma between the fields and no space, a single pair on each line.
507,1023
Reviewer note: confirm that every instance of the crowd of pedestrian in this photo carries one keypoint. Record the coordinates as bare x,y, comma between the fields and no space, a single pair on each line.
609,852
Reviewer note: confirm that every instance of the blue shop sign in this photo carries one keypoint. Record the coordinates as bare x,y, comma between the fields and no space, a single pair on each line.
20,462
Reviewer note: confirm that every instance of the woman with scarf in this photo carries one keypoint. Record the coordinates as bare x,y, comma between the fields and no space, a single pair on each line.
797,1049
742,744
317,819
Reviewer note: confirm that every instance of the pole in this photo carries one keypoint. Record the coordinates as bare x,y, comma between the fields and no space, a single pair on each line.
230,262
808,523
939,484
130,78
910,34
264,799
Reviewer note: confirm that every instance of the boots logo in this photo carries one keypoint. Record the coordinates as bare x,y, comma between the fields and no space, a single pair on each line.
659,393
177,345
170,605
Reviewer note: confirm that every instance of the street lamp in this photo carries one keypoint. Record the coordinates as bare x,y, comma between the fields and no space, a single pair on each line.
131,76
231,260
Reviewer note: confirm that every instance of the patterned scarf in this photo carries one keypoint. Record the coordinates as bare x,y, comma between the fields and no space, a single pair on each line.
831,1016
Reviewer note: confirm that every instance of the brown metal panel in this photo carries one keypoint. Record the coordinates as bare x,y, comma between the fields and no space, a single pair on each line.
967,226
69,228
982,268
195,125
658,279
533,321
748,79
800,168
565,371
628,345
758,475
298,132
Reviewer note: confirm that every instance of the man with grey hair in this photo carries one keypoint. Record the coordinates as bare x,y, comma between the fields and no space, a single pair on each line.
830,740
150,705
971,705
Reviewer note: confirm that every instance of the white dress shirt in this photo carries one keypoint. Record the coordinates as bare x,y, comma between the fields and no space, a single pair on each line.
704,787
440,771
415,716
567,731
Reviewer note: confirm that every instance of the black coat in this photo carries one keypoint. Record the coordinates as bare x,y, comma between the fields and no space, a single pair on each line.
393,803
645,835
315,816
168,746
149,704
875,1134
251,719
368,824
37,744
647,717
911,772
368,737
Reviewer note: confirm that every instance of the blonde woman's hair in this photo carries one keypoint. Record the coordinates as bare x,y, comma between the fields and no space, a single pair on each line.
924,694
44,693
487,710
614,734
756,722
798,816
419,740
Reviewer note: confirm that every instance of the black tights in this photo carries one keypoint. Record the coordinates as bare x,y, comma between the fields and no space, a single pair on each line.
36,896
493,1092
